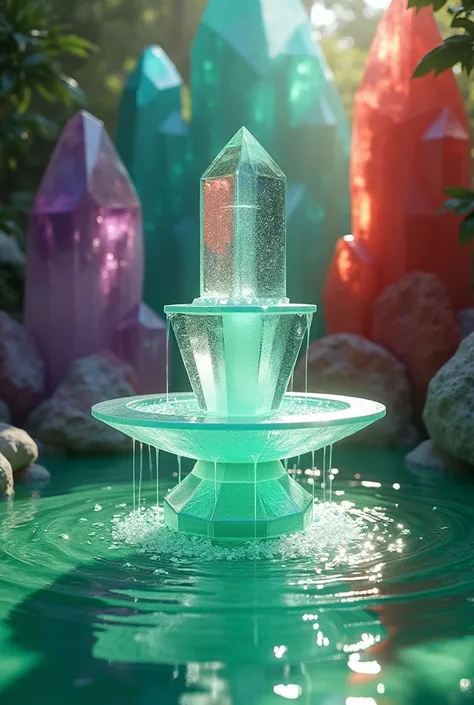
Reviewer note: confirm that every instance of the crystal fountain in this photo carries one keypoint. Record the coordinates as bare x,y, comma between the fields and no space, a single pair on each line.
239,342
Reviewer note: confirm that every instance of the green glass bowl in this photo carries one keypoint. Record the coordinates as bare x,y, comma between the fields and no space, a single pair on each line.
304,422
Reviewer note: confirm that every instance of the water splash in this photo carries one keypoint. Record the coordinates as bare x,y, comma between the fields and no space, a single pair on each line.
335,535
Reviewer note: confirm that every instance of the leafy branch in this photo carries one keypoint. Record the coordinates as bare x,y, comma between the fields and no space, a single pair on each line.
454,50
32,44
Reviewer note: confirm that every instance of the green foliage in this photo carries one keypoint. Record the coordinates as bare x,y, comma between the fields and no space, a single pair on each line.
345,32
32,44
122,29
455,49
461,202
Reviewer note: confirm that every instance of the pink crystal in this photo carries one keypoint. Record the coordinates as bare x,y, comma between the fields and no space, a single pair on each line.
85,249
140,340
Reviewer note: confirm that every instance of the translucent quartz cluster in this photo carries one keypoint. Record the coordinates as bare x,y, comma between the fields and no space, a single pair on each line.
410,141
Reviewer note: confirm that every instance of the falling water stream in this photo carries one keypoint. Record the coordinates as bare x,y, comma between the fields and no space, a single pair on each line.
167,364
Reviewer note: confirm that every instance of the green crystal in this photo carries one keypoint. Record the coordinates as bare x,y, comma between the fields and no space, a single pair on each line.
153,141
243,224
254,63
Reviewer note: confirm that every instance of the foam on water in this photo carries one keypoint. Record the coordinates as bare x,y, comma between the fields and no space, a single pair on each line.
333,533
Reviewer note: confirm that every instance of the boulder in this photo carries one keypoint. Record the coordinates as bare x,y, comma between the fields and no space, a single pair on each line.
12,273
414,320
33,475
5,415
465,320
21,369
65,419
428,456
6,477
449,409
349,364
17,446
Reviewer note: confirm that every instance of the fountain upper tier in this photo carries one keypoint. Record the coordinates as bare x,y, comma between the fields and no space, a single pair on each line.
240,340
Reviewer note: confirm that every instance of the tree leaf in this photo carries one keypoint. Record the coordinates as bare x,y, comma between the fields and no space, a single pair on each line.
465,24
24,98
429,62
459,192
466,230
7,81
460,206
34,60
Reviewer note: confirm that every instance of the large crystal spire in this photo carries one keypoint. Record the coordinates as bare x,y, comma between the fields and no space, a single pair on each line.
85,257
420,129
254,63
243,224
152,139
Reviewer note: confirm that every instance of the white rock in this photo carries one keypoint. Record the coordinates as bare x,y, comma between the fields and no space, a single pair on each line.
449,408
33,475
17,446
428,456
65,419
6,477
352,365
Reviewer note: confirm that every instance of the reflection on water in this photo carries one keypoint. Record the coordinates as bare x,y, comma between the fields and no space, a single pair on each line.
85,617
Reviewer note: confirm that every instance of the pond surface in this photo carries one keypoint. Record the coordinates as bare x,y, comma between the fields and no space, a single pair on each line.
86,619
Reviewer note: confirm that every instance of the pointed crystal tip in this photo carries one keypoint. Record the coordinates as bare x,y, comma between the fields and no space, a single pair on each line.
243,224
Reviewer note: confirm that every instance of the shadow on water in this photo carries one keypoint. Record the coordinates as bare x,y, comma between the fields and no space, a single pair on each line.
122,628
110,638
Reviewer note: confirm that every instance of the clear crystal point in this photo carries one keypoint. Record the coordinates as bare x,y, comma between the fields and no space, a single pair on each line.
243,224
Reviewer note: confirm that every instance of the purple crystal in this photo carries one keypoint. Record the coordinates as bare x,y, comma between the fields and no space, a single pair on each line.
140,340
85,249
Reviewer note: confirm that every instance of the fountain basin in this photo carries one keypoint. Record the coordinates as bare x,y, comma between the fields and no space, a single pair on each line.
238,489
304,422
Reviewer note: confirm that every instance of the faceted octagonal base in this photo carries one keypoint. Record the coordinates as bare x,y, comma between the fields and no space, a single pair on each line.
238,502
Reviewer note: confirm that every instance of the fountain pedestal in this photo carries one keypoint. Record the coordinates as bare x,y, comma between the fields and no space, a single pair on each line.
244,500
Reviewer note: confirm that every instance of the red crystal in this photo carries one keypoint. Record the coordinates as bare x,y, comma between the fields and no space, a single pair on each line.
410,141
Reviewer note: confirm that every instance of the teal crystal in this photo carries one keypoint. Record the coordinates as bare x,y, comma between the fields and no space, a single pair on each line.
153,141
255,63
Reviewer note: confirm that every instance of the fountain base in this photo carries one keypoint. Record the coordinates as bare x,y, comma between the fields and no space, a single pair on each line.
238,501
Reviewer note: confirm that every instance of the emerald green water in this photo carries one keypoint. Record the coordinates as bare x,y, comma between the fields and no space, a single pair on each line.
81,622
